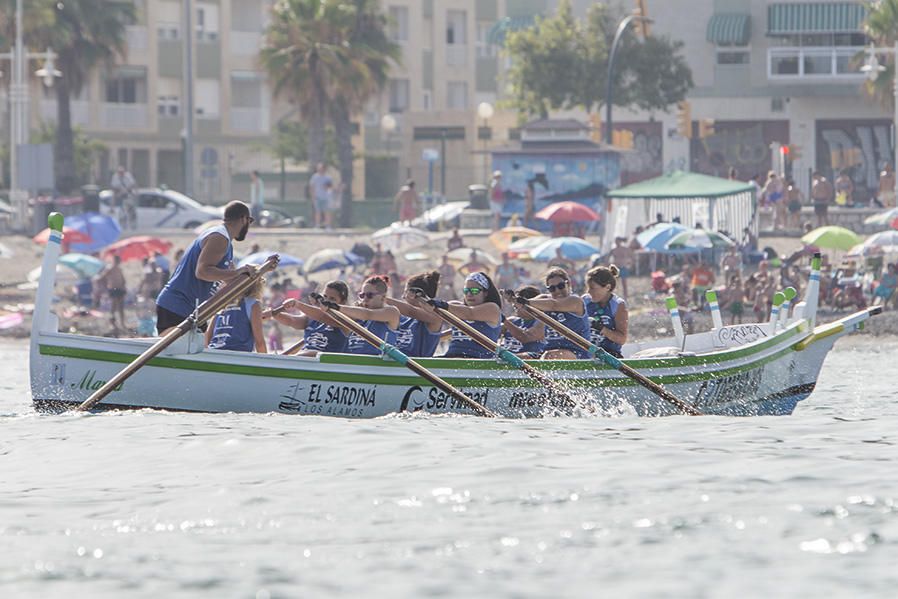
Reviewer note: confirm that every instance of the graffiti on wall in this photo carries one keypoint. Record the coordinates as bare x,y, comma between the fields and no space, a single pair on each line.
860,147
645,160
743,145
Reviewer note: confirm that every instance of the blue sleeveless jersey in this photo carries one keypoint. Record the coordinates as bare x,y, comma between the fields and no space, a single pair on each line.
462,346
578,324
515,346
323,337
357,345
180,294
606,314
414,339
233,328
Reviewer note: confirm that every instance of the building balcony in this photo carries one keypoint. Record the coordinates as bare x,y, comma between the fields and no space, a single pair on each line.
245,43
124,116
80,110
456,55
249,120
136,37
840,64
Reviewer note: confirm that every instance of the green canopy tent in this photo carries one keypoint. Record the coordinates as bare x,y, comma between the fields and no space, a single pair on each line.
712,202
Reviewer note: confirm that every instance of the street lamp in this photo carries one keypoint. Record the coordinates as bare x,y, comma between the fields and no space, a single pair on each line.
485,111
872,70
609,90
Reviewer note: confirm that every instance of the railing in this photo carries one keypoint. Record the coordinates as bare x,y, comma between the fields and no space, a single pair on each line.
124,116
456,55
80,111
245,43
838,63
136,36
249,120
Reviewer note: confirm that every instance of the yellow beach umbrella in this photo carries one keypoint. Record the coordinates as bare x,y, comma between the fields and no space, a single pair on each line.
505,237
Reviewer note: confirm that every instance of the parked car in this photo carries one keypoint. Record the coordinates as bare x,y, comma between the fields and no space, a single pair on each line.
164,208
272,218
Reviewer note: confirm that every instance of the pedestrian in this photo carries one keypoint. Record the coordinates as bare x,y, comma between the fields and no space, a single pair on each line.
625,258
114,280
208,260
773,197
124,189
318,188
822,193
794,200
844,189
887,186
497,199
256,195
407,202
455,241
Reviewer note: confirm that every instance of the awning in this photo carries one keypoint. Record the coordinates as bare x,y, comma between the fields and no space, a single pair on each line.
815,17
679,184
497,33
729,30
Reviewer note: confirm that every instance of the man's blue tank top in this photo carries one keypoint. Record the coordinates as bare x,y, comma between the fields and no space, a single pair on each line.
357,345
233,328
414,339
515,346
462,346
323,337
180,294
578,324
606,314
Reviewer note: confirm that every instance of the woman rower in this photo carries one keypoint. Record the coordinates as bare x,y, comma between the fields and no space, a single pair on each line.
374,314
238,327
523,335
320,332
607,311
419,327
481,310
568,309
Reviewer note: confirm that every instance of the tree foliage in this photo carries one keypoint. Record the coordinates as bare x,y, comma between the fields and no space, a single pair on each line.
882,27
562,63
87,150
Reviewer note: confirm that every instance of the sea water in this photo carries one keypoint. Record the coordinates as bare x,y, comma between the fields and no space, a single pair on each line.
153,504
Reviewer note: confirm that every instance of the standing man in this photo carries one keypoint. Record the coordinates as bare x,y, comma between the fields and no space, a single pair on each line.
114,281
256,195
407,202
887,186
207,261
319,186
822,193
497,198
123,189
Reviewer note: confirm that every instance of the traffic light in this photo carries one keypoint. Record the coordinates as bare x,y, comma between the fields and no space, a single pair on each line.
705,128
595,126
622,138
642,24
684,119
785,150
794,153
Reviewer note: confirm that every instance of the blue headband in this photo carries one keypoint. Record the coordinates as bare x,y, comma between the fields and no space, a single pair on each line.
481,279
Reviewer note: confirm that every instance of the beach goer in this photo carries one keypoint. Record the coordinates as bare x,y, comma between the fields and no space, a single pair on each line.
419,326
256,194
373,313
124,191
773,197
567,308
886,288
734,299
522,334
822,193
887,186
455,241
844,189
702,280
447,278
529,202
473,264
319,184
407,202
320,332
607,312
506,274
481,309
114,280
238,327
625,258
794,200
497,199
206,262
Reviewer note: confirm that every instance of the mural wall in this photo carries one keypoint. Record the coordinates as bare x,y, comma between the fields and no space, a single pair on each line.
744,145
860,147
645,161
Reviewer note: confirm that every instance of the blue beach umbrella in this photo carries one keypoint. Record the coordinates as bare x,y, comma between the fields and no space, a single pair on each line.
657,236
330,259
86,266
572,248
261,257
103,230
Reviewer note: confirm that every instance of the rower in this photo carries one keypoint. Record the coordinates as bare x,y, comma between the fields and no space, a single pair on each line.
567,308
320,331
606,310
481,309
419,327
238,327
374,314
523,335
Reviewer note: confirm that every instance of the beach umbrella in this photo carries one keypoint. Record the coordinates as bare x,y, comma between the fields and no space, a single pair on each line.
261,257
656,236
832,238
82,264
441,214
65,275
503,238
522,247
329,259
463,256
69,236
103,230
894,223
572,248
567,212
400,237
882,243
883,219
699,239
137,248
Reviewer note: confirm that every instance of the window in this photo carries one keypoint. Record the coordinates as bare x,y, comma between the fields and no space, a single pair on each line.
484,48
399,23
426,100
207,94
399,94
206,22
169,105
168,20
168,92
126,85
729,54
456,27
457,95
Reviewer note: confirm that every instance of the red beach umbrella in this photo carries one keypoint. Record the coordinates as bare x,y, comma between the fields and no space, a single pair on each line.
69,235
894,223
567,212
137,248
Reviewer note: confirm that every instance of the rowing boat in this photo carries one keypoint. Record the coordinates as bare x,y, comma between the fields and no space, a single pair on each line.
742,370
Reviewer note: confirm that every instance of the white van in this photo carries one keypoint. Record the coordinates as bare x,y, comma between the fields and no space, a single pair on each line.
164,208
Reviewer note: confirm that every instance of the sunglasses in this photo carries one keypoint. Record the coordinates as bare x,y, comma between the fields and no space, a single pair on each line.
472,290
368,294
557,287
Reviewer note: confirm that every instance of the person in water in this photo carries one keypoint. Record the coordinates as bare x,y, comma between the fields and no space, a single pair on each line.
373,313
606,310
523,335
320,332
419,327
238,327
481,309
567,308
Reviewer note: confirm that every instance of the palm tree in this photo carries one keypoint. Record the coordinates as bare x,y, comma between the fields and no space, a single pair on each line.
882,27
84,34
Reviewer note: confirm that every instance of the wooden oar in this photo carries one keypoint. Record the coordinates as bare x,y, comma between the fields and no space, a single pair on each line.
205,311
503,353
294,348
393,353
598,352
